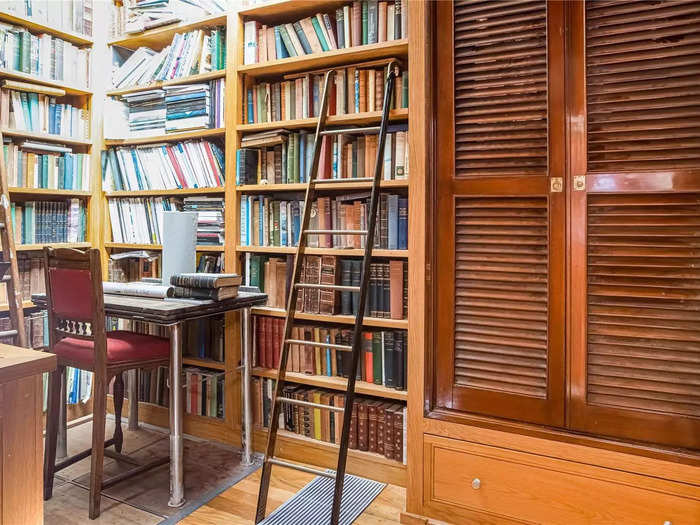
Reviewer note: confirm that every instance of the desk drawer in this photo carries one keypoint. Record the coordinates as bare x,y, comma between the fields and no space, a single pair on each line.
529,488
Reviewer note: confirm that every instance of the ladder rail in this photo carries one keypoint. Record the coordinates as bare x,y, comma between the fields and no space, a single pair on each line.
291,305
364,284
9,254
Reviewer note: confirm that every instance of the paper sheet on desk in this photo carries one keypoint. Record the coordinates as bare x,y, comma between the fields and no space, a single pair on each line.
138,289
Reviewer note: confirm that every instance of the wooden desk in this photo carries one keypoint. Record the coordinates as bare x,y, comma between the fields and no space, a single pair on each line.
173,313
21,443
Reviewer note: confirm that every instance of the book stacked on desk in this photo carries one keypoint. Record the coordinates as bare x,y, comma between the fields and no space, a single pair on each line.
356,24
214,286
210,219
377,425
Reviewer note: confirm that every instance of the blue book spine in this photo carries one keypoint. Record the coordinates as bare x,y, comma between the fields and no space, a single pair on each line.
187,114
302,38
302,157
392,213
261,207
283,224
403,224
251,110
238,167
69,171
328,358
52,118
135,160
296,222
279,45
244,220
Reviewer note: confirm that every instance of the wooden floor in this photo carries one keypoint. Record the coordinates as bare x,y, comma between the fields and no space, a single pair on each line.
236,506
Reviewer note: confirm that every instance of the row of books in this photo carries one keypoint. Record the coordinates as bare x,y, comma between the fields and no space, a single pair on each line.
35,326
139,220
56,171
210,219
38,113
36,222
189,164
355,89
266,221
383,360
359,23
193,53
68,15
31,278
376,425
342,156
134,16
43,55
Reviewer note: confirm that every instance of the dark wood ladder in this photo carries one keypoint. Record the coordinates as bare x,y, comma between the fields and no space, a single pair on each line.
356,347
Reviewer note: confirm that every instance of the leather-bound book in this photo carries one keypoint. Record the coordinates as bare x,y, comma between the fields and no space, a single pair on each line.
313,276
339,401
362,425
325,399
363,90
352,433
356,25
372,407
398,433
389,431
381,419
269,343
329,275
396,288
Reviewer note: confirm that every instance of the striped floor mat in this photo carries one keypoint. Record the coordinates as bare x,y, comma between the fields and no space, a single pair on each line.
312,504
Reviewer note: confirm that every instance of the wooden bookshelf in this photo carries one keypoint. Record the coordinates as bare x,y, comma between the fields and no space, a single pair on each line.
47,192
39,247
191,79
37,27
351,119
204,363
157,247
341,252
168,137
69,88
286,10
45,137
301,186
160,37
163,193
335,383
376,322
25,304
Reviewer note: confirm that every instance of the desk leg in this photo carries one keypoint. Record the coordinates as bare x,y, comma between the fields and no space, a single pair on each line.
62,439
246,357
177,469
133,383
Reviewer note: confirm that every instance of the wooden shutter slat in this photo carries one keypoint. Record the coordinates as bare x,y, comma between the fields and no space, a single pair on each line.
611,9
598,35
472,8
511,51
642,51
638,321
634,17
645,353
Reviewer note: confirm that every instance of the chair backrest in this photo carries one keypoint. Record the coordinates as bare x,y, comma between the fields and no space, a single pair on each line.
75,302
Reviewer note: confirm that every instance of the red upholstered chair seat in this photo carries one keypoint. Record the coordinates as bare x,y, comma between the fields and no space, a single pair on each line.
122,347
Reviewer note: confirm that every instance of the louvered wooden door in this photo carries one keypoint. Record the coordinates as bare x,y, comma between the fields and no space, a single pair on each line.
500,230
635,220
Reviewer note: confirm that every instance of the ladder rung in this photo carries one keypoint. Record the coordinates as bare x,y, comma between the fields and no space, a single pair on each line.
367,129
309,404
346,348
338,287
302,468
343,181
8,333
336,232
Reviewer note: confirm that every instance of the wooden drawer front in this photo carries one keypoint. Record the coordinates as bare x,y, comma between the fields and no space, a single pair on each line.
536,489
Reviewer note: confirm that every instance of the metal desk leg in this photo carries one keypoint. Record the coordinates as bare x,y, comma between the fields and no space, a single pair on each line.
133,399
62,439
246,357
177,468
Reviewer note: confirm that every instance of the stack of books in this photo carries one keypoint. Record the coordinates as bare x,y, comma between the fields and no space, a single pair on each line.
199,51
36,222
189,164
139,220
193,106
35,165
215,286
73,16
266,221
377,425
146,112
210,219
40,113
359,23
43,55
357,89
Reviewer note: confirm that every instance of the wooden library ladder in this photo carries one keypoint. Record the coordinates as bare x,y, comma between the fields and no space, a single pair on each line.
356,347
9,274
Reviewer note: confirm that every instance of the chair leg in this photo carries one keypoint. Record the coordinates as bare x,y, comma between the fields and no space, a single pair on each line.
98,447
118,404
52,415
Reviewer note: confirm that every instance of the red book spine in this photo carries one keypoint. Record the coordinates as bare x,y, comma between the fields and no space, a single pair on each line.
212,163
269,360
176,165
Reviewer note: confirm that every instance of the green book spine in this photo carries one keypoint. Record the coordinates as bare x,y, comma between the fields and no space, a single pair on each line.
24,99
44,171
256,271
214,53
319,33
222,49
287,41
26,52
376,358
365,16
276,223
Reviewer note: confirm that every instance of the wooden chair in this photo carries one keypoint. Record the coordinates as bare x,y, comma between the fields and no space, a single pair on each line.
77,336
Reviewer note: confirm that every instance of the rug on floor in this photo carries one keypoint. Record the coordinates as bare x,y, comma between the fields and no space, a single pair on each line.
312,504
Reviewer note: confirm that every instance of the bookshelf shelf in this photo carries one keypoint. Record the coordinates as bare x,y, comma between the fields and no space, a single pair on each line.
279,10
203,77
205,363
350,185
25,304
37,247
377,322
46,137
180,191
38,27
69,88
49,192
359,119
160,37
335,383
349,252
336,57
168,137
156,247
